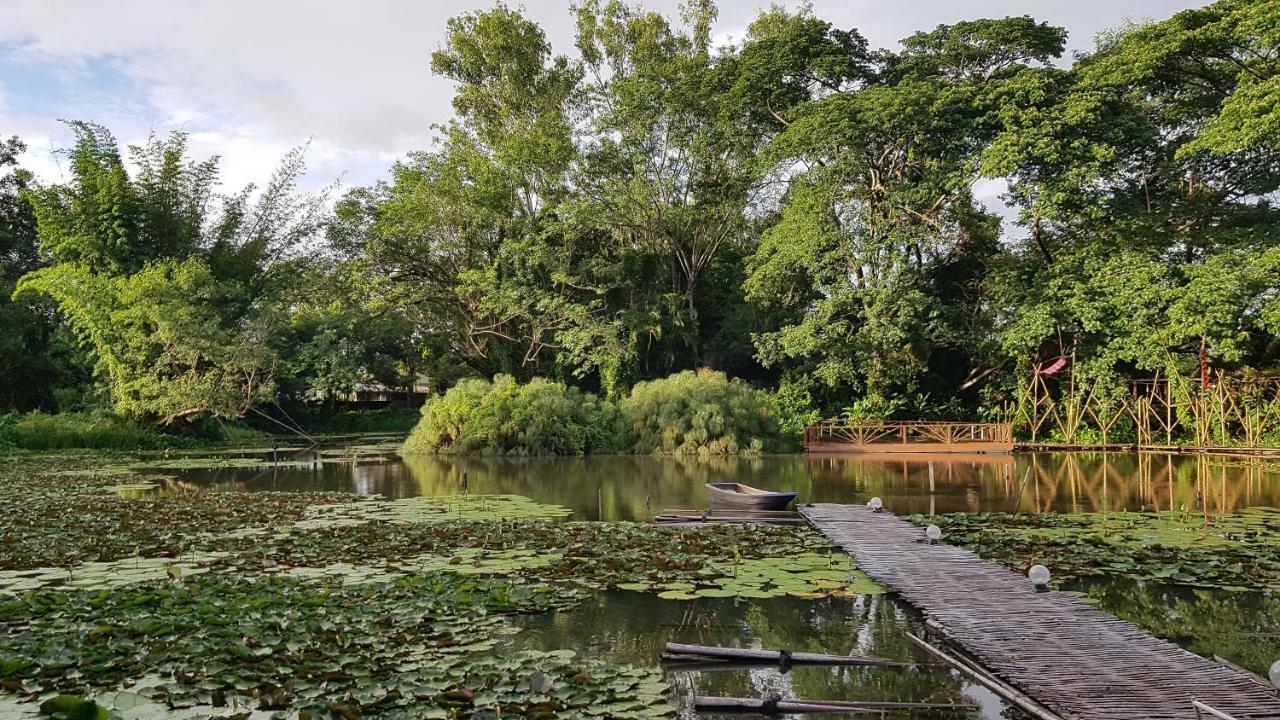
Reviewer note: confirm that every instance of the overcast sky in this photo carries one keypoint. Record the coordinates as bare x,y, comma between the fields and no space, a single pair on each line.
248,79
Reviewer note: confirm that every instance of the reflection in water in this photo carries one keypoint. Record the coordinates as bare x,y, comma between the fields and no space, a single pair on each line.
1242,627
631,627
637,488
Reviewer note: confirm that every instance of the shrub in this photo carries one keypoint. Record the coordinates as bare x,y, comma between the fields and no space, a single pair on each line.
794,409
700,413
504,417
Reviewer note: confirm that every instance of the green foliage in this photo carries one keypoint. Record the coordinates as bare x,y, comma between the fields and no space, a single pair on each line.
169,285
1189,548
798,209
39,432
699,413
389,420
161,338
540,417
34,360
794,408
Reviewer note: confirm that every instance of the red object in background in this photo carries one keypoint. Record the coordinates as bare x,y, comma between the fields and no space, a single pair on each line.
1204,368
1055,367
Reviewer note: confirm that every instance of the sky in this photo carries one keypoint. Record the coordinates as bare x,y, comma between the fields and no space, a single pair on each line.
250,79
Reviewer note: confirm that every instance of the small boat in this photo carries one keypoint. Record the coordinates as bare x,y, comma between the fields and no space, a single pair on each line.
736,496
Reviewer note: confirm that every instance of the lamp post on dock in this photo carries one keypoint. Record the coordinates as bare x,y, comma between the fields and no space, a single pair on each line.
1039,576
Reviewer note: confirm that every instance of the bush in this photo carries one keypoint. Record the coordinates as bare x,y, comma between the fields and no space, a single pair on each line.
76,431
504,417
700,413
794,409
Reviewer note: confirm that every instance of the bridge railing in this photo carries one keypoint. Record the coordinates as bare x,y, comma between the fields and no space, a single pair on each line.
905,432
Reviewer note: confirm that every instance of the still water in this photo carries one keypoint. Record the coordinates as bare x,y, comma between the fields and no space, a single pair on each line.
1243,627
629,627
637,488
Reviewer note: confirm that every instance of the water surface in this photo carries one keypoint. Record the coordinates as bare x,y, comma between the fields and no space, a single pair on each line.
631,627
637,488
1243,627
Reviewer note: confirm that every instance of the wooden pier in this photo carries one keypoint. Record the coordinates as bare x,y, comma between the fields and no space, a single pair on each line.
1076,662
840,436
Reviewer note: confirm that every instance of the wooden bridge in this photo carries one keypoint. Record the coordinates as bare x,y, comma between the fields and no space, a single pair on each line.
923,436
1066,659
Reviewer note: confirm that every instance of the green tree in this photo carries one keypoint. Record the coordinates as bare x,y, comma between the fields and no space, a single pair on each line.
32,361
874,267
468,234
168,284
1147,180
667,176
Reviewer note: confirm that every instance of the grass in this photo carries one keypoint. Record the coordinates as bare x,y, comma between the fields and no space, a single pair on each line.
40,432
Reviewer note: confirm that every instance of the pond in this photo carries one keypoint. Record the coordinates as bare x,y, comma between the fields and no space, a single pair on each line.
637,488
1241,626
633,628
629,627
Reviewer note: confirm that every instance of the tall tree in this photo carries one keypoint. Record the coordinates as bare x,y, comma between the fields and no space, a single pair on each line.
875,264
30,366
668,169
164,281
469,232
1148,180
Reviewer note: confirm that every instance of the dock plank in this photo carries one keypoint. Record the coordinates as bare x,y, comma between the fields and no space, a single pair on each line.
1078,661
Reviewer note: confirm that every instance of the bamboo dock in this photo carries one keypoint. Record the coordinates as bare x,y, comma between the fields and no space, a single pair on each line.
1076,662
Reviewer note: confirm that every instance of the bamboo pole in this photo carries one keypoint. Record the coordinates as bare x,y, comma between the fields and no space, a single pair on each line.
693,653
991,682
832,707
778,707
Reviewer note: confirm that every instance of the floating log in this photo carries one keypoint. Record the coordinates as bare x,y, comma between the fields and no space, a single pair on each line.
680,652
678,520
709,517
774,706
750,513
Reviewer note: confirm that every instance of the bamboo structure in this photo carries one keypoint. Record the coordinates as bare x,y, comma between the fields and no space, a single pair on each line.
1162,412
709,655
917,436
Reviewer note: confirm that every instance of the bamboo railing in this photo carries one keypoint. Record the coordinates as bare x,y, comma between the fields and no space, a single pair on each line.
908,436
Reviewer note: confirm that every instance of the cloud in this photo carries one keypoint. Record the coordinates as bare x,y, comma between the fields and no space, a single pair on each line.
262,77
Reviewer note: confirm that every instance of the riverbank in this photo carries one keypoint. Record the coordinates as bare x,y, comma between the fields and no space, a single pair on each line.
103,431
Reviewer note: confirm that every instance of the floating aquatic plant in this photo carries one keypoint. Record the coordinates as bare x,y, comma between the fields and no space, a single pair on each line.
1235,551
430,510
417,647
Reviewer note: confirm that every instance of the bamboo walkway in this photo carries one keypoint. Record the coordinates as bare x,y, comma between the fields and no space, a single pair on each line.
1078,662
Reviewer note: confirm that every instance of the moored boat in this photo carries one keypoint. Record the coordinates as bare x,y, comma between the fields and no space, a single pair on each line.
736,496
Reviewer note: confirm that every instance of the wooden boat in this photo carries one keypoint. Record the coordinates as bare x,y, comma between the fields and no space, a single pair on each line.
736,496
